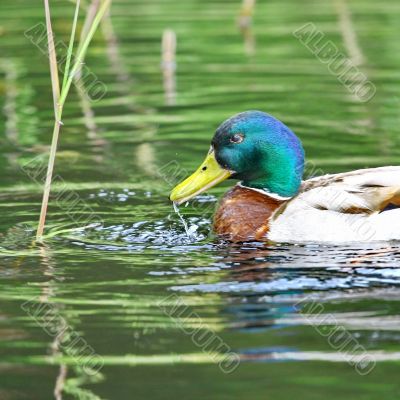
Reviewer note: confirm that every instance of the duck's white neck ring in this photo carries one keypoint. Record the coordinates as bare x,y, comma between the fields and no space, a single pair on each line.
265,192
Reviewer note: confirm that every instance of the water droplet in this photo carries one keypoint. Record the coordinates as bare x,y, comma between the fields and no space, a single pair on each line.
189,232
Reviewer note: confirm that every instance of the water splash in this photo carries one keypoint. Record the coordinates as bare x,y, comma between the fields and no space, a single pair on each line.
190,231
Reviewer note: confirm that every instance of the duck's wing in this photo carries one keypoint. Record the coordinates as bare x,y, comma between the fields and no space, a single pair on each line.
360,205
364,191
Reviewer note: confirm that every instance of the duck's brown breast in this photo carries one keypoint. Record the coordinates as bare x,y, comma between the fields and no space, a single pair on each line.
243,214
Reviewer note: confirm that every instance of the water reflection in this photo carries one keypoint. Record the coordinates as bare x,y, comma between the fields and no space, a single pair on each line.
264,284
106,281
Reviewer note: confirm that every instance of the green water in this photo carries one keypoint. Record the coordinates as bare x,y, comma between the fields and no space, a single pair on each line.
117,310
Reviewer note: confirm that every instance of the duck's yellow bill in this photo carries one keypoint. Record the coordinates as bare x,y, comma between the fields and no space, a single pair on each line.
209,174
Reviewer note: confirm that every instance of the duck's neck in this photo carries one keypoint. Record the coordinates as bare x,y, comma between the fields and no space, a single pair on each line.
280,183
278,174
243,214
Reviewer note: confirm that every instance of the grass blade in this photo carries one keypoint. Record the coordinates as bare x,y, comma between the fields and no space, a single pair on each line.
81,54
71,45
90,15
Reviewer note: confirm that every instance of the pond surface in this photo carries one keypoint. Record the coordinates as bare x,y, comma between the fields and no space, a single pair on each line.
118,303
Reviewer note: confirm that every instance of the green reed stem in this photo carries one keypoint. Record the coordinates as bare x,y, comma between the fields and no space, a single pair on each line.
55,84
59,98
90,15
71,45
81,53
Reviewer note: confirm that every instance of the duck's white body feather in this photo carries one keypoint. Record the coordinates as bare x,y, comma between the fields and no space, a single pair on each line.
344,207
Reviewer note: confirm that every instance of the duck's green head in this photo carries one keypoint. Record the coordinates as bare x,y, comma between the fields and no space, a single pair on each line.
253,147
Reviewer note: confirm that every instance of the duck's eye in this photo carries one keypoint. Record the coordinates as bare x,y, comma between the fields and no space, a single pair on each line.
236,138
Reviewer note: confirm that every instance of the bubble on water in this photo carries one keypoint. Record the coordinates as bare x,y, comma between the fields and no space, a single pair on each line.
192,230
163,234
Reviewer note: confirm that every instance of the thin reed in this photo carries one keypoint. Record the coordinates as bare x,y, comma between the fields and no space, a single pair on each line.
60,96
168,64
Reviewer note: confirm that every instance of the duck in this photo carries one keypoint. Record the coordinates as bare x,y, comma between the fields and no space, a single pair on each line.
272,202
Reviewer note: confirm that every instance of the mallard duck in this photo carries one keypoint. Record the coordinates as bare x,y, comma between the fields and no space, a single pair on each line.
272,202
